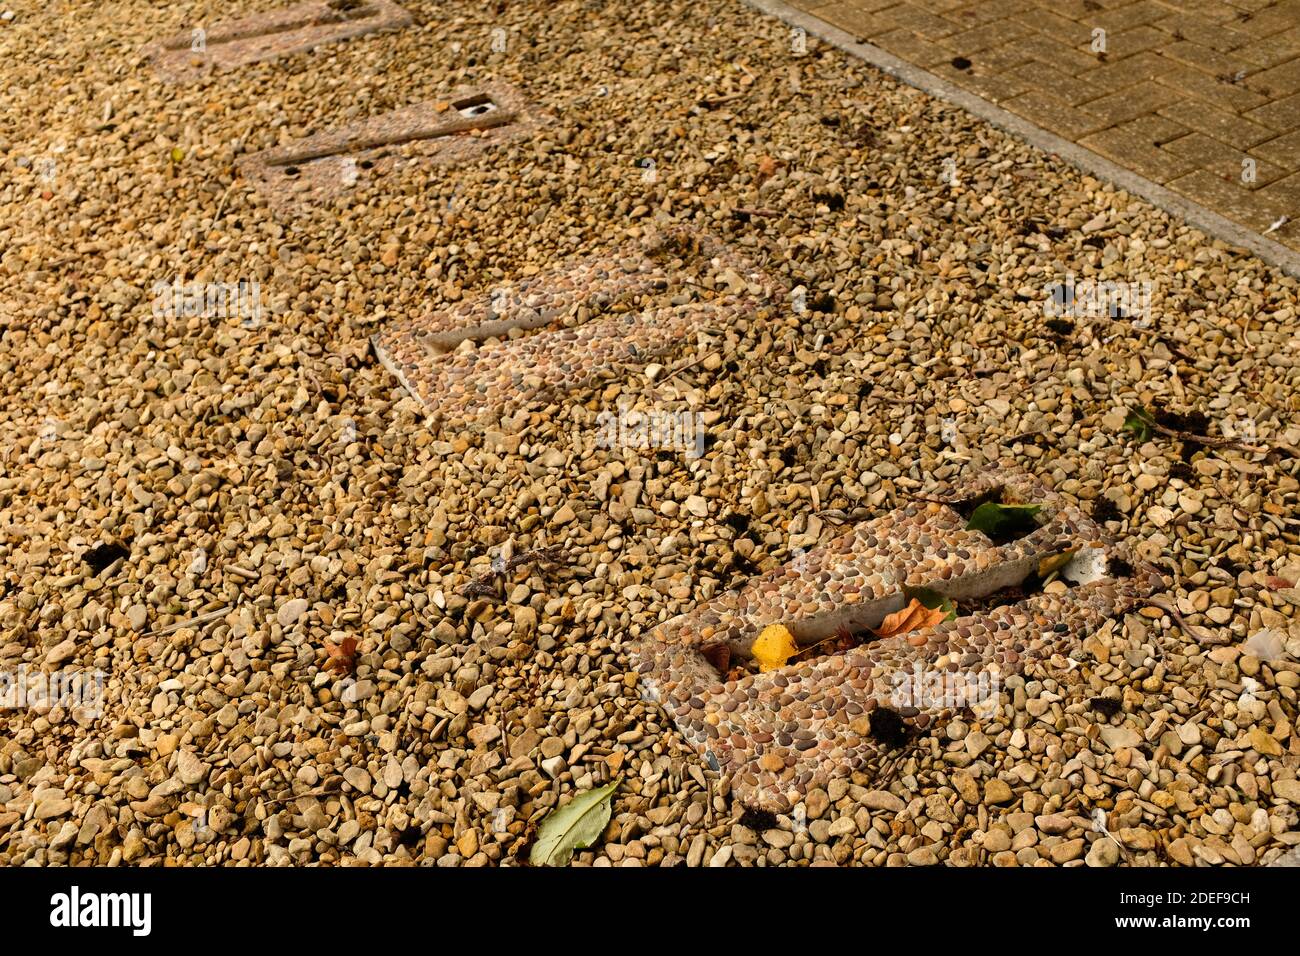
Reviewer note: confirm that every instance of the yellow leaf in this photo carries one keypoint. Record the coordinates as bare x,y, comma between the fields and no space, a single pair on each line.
1053,562
773,647
915,617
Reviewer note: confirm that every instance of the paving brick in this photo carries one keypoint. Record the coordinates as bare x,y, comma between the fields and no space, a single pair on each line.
1066,88
1284,150
1125,43
1205,59
912,48
996,89
1059,28
969,42
1277,81
1272,50
923,24
1220,124
1155,130
1002,59
1126,17
1215,11
1281,115
1046,50
1142,68
1051,114
1230,96
985,11
862,6
1275,19
1254,209
1286,193
1223,160
939,6
1205,33
1133,151
1080,10
848,17
1131,103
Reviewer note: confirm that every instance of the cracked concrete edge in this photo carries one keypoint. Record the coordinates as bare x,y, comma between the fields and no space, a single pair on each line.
1211,223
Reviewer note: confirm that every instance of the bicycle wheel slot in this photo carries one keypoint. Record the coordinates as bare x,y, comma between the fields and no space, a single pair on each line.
536,338
335,161
781,730
234,43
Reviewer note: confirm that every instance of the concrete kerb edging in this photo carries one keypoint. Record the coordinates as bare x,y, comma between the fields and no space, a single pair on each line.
1208,221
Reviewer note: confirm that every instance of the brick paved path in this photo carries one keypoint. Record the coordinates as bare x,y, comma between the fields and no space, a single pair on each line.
1200,96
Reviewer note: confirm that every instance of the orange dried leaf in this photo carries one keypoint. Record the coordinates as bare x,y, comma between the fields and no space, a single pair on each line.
915,617
719,655
342,656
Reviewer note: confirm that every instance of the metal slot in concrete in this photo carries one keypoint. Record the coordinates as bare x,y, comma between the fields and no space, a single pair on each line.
234,43
777,734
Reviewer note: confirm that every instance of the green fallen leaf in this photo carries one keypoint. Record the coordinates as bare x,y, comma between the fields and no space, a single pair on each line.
1139,423
177,154
1003,522
574,826
933,600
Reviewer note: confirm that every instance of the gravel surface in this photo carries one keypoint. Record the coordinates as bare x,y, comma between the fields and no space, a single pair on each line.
198,505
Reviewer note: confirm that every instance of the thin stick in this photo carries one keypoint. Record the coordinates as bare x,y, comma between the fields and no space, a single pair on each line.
1206,440
893,399
322,792
682,368
190,622
711,101
1198,634
221,206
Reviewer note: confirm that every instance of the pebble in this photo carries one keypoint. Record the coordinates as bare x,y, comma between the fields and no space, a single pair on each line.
358,778
50,804
1067,851
882,800
189,768
1288,790
997,792
61,652
291,611
1117,737
1103,852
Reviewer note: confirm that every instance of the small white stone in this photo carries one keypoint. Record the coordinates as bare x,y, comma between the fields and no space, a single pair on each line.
190,768
290,611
